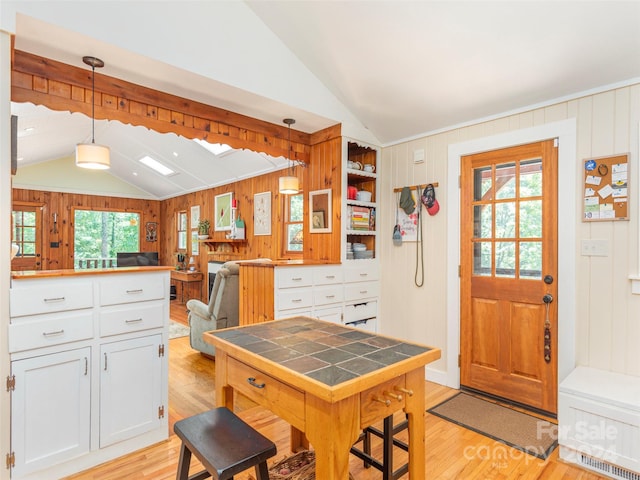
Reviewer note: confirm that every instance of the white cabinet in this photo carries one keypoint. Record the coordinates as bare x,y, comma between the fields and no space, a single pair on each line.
89,369
130,388
50,409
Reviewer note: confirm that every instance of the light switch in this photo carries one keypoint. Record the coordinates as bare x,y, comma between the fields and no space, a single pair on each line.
418,156
595,248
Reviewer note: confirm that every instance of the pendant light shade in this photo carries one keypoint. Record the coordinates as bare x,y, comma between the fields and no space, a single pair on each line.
92,155
289,184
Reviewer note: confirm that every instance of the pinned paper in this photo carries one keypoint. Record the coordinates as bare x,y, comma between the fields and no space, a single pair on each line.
589,192
593,180
605,191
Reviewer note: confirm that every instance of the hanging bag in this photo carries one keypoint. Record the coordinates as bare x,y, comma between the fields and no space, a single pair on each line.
397,231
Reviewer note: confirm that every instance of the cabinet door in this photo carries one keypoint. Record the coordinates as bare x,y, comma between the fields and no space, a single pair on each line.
50,409
130,388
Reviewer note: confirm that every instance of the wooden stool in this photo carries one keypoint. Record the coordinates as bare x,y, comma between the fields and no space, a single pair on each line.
388,442
224,444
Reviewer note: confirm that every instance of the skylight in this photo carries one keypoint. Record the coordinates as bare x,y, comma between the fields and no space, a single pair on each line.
156,165
215,148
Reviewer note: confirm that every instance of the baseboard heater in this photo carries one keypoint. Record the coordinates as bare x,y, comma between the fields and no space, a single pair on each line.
599,422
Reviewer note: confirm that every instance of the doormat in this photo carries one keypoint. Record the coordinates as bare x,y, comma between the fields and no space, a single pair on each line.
521,431
177,330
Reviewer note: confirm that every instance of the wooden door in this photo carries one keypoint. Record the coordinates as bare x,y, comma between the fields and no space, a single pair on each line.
508,265
27,234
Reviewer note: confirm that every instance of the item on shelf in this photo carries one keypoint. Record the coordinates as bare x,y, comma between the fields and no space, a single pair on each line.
362,254
360,218
363,196
359,247
351,192
369,168
354,165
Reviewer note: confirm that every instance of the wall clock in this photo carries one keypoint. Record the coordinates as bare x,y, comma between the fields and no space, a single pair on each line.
262,213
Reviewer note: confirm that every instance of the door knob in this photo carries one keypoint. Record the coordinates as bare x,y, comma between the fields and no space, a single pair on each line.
548,298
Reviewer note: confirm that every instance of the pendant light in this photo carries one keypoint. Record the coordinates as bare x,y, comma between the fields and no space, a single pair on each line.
289,184
92,155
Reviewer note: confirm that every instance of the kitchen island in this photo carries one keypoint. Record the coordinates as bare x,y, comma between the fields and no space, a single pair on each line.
89,370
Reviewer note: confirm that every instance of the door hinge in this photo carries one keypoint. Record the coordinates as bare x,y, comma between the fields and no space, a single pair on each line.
459,360
161,411
161,350
11,383
459,271
459,181
11,460
555,142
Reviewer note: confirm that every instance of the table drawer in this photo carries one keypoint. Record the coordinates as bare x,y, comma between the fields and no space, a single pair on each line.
47,330
43,296
288,277
282,399
361,291
131,288
328,275
131,318
295,298
382,400
327,295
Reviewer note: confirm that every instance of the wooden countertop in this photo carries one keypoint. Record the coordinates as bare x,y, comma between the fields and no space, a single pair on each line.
284,263
88,271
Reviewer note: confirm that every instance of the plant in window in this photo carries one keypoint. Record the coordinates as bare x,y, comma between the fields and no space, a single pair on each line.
203,228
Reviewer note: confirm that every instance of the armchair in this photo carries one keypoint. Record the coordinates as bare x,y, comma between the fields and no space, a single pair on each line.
221,312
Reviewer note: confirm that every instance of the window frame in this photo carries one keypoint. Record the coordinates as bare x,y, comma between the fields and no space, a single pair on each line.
286,216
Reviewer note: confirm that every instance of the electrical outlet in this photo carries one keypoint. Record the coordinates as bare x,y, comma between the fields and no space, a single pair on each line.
595,248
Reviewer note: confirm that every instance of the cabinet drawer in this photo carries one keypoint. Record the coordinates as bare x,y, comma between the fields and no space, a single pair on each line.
368,325
364,271
360,311
329,275
372,401
48,330
361,291
327,295
282,399
131,288
42,296
288,277
295,298
132,318
330,314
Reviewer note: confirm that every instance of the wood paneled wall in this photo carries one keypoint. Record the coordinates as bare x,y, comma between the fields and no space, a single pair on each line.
64,203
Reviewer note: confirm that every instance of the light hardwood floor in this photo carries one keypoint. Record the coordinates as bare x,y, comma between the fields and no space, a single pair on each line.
452,452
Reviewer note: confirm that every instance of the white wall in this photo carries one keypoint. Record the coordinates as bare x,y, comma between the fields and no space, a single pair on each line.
607,315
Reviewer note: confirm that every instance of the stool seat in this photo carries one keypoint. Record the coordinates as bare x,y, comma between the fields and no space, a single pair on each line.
224,444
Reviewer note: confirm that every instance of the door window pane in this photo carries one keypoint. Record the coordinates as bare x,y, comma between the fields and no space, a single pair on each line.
531,260
531,219
505,220
531,178
506,259
482,184
482,258
506,181
482,221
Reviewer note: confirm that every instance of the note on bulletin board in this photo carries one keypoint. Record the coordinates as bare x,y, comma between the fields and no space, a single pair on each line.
606,188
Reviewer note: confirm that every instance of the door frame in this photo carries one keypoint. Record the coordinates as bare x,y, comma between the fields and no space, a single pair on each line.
566,132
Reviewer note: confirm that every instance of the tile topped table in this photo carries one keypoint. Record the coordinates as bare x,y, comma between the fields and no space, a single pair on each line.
327,381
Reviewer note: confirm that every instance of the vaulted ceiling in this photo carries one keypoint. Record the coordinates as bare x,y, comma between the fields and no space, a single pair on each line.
394,70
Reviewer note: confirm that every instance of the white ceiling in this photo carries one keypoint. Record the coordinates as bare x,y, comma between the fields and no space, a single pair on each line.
402,68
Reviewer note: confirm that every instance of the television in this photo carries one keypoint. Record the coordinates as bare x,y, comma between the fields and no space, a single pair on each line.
136,259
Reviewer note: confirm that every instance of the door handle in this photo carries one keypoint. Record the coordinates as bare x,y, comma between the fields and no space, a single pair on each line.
548,298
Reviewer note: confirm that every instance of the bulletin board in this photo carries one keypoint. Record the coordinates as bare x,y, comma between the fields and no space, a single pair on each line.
606,188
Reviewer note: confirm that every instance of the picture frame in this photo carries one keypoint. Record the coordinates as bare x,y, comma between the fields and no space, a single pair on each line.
320,211
151,231
262,213
195,216
195,243
222,212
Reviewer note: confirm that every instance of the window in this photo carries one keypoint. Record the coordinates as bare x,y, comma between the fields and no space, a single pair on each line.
293,218
181,227
26,233
99,235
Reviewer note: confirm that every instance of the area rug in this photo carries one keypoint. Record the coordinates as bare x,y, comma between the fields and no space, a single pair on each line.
177,330
518,430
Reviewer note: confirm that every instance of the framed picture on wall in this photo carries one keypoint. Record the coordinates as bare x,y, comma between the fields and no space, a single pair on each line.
222,212
262,213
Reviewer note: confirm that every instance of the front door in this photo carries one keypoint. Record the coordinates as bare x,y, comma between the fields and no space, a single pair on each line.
508,271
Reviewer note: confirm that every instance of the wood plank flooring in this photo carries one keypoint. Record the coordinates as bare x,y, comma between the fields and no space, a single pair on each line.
452,452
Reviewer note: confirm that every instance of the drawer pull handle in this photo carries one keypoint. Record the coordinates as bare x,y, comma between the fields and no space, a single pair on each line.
137,290
53,334
404,390
330,277
384,401
296,300
135,320
57,299
330,296
395,396
364,274
252,382
296,279
363,292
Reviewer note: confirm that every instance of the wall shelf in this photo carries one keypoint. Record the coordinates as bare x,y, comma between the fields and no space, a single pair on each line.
213,245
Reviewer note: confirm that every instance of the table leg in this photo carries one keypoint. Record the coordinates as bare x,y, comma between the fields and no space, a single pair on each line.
224,393
332,428
298,440
414,407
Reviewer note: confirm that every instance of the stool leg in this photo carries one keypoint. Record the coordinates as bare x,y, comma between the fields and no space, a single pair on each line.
366,446
183,463
387,454
262,472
